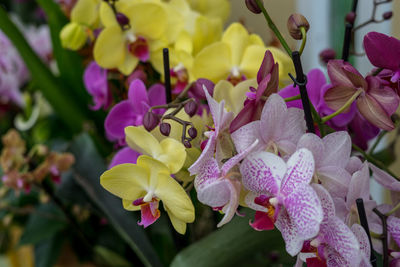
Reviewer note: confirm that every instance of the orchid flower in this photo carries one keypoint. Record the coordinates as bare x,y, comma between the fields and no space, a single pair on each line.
362,131
123,48
383,52
219,187
130,112
359,187
331,155
279,128
216,137
212,8
143,185
95,79
267,80
374,101
169,151
336,245
290,202
124,155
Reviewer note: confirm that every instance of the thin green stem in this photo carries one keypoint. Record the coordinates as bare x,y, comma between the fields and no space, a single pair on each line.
344,107
304,39
397,207
292,98
377,141
374,161
318,120
273,27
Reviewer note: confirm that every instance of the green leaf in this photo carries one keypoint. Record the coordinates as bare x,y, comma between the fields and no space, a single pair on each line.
48,250
87,170
45,222
69,62
109,257
228,246
52,88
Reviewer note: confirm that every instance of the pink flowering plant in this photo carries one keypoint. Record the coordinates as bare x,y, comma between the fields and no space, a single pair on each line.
153,133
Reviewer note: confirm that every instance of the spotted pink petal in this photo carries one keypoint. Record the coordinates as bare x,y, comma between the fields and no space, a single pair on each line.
393,224
205,156
384,179
273,118
359,186
327,205
230,208
288,136
290,233
304,209
263,172
238,157
246,135
363,241
209,173
220,117
300,169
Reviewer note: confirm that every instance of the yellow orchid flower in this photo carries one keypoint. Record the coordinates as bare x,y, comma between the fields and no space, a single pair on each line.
236,57
212,8
169,151
143,185
124,46
234,96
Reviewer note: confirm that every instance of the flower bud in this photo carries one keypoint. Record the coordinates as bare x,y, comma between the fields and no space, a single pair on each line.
187,144
150,121
197,92
191,108
295,23
350,17
73,36
165,128
192,133
122,19
387,15
327,54
253,7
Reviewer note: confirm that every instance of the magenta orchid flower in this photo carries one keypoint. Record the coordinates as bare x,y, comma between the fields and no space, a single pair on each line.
336,245
216,137
124,155
359,187
95,79
375,102
316,87
292,204
331,155
218,187
130,112
384,52
268,81
279,128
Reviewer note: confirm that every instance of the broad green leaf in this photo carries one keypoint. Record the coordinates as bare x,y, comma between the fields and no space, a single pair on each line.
87,170
52,88
235,244
48,250
45,222
109,257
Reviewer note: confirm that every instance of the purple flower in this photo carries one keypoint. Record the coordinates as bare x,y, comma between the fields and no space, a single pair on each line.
124,155
294,205
130,112
384,52
95,79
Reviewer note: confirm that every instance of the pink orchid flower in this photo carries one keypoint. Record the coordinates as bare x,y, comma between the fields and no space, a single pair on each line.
268,81
375,102
95,79
218,187
384,52
359,187
279,128
216,137
292,204
336,245
130,112
331,155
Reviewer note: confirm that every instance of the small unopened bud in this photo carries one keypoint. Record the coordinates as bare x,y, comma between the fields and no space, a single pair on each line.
253,7
197,90
150,121
122,19
187,144
350,17
191,108
387,15
327,54
73,36
295,23
165,128
192,132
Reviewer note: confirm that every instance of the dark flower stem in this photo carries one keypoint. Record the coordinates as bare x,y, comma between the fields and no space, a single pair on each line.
167,75
384,237
364,224
301,82
347,41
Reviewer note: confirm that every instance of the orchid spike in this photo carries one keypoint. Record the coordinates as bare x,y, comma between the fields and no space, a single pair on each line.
294,206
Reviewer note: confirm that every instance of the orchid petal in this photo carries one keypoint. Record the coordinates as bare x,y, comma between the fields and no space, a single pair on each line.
300,169
290,233
156,96
231,207
315,145
359,186
363,240
109,49
124,155
382,50
179,225
120,116
137,94
237,37
128,205
335,97
338,149
335,179
266,66
273,117
246,135
387,98
252,60
384,179
393,225
354,165
173,154
207,154
142,141
328,207
374,113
